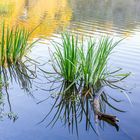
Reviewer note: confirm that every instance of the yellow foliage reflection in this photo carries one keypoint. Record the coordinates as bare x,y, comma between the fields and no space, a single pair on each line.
52,14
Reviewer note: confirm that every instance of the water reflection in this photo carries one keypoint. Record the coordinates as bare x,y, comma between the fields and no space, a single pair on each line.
10,113
21,73
74,105
106,16
54,15
83,17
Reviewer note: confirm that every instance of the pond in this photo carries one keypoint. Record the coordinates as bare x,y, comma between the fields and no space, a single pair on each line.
29,110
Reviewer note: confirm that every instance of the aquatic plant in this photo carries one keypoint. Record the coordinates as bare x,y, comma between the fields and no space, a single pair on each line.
82,67
93,60
87,61
65,58
13,44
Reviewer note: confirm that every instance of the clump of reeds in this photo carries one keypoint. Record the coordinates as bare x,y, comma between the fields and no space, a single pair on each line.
65,57
93,60
13,44
75,61
83,68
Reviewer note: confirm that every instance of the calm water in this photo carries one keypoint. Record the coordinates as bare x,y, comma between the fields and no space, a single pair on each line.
117,18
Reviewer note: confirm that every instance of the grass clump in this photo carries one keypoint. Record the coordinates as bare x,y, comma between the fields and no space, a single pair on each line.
94,60
84,68
13,44
78,62
65,58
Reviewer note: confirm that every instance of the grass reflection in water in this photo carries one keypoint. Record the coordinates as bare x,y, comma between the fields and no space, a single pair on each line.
21,73
83,75
74,105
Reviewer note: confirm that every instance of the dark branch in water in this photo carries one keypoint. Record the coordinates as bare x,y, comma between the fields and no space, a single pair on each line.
111,119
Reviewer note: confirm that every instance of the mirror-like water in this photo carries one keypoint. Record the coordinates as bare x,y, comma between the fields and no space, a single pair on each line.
26,101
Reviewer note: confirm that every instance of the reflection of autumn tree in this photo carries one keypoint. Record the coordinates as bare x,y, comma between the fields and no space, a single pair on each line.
12,8
53,15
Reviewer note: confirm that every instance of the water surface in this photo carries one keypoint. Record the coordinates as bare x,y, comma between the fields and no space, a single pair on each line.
119,19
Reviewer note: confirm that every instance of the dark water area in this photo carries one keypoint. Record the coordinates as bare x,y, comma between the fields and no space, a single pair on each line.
26,100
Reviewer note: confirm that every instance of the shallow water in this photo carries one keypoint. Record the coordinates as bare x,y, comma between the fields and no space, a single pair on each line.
119,19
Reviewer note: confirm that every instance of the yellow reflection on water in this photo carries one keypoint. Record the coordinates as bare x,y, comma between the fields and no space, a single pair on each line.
52,14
